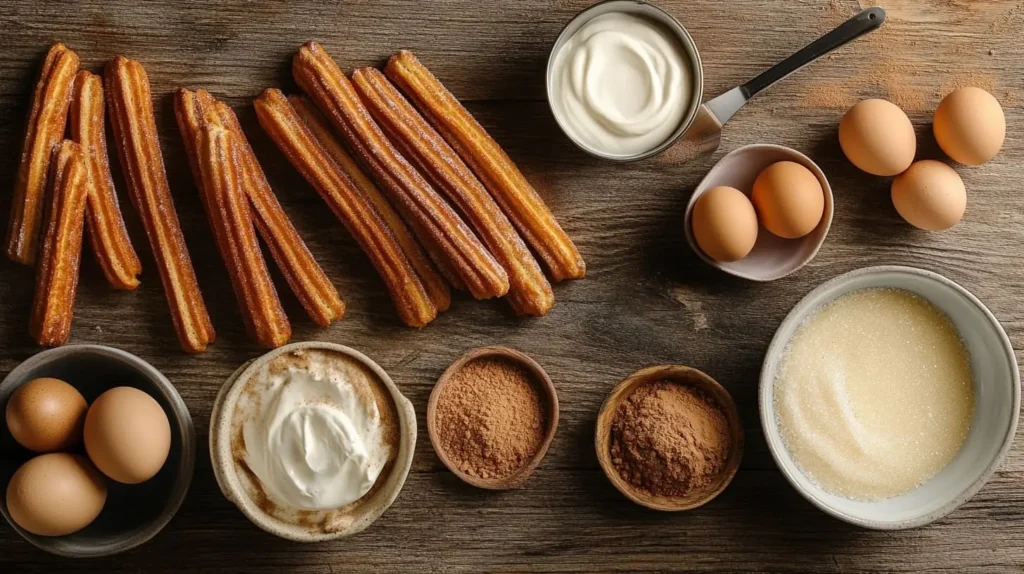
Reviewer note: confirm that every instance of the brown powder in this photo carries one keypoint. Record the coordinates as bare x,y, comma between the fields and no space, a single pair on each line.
491,418
829,96
669,439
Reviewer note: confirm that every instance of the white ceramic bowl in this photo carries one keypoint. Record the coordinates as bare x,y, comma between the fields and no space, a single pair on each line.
236,485
772,257
997,401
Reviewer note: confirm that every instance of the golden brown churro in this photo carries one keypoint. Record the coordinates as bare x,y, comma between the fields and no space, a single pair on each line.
529,292
228,204
135,135
317,124
307,279
499,174
57,273
360,217
46,122
107,232
433,220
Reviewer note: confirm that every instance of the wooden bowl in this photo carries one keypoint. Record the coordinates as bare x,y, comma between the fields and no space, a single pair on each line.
550,396
684,375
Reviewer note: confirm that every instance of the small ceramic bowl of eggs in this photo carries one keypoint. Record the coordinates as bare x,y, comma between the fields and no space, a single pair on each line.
878,137
97,450
761,213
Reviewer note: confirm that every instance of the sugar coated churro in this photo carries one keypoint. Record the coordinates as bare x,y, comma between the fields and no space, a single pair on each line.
433,220
131,114
107,232
228,210
46,122
529,291
306,278
499,174
358,214
57,269
317,124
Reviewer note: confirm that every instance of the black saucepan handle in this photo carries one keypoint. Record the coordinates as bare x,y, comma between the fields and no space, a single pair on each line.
855,27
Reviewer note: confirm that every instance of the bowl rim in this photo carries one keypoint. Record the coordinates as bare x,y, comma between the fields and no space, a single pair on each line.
678,31
801,311
519,477
180,412
227,479
646,375
701,189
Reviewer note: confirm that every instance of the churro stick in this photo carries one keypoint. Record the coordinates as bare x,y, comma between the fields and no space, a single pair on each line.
529,291
135,135
433,220
221,170
499,174
306,278
46,122
317,124
360,217
57,271
107,232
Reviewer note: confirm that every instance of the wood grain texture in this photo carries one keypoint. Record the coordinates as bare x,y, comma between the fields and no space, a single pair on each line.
647,299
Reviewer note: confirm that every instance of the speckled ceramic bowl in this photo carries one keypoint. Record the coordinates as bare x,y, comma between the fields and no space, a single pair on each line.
243,489
772,257
133,513
997,401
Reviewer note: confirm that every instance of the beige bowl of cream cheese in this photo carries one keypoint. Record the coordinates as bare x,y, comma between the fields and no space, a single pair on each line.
312,441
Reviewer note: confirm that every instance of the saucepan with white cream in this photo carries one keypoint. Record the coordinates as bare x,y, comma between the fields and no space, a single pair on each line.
625,81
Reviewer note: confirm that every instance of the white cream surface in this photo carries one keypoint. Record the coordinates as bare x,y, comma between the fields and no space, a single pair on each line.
317,442
621,84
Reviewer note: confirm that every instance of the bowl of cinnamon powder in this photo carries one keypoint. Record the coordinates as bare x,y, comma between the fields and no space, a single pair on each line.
669,438
492,416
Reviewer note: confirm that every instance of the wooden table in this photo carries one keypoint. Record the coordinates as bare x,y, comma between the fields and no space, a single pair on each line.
647,299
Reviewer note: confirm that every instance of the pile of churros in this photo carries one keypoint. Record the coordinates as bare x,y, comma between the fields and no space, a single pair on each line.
428,195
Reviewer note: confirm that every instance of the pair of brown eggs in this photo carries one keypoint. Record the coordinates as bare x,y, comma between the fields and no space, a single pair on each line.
786,198
126,434
877,137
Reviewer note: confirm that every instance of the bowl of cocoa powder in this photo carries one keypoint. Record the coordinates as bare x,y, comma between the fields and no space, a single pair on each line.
492,416
669,438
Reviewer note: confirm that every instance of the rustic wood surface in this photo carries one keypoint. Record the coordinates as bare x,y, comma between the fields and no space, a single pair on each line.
647,299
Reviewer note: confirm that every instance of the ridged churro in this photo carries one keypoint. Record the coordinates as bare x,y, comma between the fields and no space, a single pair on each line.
228,211
107,232
357,213
131,114
306,278
57,271
529,291
317,124
499,174
46,122
433,220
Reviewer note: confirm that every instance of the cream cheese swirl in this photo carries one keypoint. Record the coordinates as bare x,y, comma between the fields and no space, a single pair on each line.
620,85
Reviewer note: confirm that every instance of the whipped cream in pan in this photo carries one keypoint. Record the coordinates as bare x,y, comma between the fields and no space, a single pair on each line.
620,85
316,441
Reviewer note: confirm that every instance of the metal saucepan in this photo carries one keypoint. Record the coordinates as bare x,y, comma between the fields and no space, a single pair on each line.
701,128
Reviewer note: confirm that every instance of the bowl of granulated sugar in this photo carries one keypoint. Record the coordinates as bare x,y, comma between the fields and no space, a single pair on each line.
669,438
492,416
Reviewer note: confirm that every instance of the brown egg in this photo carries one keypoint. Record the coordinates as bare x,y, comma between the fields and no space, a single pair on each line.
789,199
127,435
970,126
877,137
46,415
56,494
724,224
930,195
